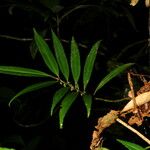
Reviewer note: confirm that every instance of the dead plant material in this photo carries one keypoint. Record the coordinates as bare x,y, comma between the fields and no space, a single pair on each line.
133,2
139,105
103,123
143,106
140,100
137,108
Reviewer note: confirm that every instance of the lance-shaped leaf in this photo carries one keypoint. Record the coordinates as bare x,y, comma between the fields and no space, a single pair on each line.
112,74
130,146
58,97
32,88
20,71
60,55
46,53
89,64
75,61
87,99
65,105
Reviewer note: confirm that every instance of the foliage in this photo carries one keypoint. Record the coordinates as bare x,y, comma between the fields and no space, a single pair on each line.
69,76
60,15
2,148
59,68
131,146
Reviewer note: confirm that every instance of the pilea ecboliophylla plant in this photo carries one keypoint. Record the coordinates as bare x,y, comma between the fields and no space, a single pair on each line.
61,70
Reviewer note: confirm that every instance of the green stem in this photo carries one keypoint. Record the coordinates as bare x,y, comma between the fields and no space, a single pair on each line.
112,101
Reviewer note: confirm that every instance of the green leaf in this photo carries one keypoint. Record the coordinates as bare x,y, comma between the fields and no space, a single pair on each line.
112,74
46,53
89,63
20,71
65,105
32,88
60,55
87,99
131,146
75,61
58,97
4,148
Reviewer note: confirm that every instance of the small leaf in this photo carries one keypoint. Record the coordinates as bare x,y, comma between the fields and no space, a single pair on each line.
87,99
20,71
32,88
89,63
65,105
58,96
60,55
112,74
75,61
46,53
131,146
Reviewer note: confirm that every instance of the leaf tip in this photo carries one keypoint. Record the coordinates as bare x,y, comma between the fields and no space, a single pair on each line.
61,125
53,33
51,112
88,114
34,31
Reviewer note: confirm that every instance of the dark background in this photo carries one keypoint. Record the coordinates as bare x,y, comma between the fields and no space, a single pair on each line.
123,30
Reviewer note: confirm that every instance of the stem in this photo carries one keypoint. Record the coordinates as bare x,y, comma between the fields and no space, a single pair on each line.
132,91
31,39
15,38
149,35
112,101
72,87
133,130
129,47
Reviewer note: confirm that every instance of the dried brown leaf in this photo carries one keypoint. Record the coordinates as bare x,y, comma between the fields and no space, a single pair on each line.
103,123
147,3
133,2
140,100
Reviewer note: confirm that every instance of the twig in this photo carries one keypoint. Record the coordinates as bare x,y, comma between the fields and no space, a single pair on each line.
31,39
121,54
132,91
133,130
112,101
15,38
140,75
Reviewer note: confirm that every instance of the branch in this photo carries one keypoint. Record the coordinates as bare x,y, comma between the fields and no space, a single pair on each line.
112,101
133,130
31,39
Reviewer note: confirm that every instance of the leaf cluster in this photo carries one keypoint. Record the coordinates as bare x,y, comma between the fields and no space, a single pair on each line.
61,70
